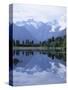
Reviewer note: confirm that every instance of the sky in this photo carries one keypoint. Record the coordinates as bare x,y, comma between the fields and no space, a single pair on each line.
23,12
56,74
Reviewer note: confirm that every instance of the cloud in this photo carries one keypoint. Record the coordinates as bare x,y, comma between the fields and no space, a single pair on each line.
53,75
59,24
37,12
62,23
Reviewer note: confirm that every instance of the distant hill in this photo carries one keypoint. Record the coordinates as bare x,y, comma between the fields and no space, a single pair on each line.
37,31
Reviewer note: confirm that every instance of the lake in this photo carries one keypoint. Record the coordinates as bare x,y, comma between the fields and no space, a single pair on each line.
38,67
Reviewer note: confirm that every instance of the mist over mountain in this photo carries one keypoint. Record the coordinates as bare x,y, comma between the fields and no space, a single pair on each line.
37,31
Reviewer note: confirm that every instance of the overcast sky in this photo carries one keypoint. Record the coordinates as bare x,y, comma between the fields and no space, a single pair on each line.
43,13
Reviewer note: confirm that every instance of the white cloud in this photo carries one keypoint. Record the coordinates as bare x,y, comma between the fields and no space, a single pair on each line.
53,29
54,75
62,23
37,12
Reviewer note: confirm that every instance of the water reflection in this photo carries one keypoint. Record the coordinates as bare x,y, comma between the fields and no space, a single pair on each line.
51,54
38,67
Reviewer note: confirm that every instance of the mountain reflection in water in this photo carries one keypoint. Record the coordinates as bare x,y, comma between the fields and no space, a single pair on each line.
38,67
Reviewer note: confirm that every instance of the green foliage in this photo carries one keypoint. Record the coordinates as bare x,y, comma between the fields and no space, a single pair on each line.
58,43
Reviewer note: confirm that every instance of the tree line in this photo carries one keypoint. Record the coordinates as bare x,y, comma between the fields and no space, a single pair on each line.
51,42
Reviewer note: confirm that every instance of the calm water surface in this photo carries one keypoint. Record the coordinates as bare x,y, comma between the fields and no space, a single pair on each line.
38,67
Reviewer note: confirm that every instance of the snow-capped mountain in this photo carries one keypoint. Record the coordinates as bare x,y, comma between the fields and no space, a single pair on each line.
28,23
37,30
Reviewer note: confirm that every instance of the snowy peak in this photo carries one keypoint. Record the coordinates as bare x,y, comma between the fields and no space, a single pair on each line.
32,22
38,30
29,22
56,25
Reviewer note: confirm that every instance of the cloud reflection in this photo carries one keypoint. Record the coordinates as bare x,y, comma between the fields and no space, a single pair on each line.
53,75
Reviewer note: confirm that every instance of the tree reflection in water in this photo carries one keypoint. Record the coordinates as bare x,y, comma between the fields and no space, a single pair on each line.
52,54
30,65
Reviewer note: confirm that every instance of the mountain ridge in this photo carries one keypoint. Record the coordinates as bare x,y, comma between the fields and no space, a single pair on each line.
28,31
